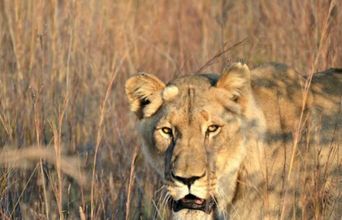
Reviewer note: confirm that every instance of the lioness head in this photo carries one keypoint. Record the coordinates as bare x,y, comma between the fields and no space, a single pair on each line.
194,133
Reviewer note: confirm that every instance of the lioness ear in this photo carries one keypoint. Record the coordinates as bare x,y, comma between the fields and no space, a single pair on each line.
236,80
144,94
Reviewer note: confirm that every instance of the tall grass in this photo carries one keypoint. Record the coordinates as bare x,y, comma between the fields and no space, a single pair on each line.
62,69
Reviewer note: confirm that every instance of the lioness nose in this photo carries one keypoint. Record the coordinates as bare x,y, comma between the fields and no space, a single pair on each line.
187,180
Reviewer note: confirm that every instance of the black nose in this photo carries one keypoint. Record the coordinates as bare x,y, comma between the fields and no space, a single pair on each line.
187,180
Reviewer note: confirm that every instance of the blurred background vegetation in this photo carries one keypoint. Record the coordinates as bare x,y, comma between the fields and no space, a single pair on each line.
68,145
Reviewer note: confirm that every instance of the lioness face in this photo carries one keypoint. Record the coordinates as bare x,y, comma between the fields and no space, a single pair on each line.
200,143
194,134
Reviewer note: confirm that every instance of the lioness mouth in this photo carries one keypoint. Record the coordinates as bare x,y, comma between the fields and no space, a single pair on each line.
192,202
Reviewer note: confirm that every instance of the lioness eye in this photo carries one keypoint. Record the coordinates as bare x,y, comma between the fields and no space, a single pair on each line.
213,128
166,130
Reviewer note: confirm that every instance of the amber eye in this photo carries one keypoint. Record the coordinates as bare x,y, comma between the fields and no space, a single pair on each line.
166,130
213,128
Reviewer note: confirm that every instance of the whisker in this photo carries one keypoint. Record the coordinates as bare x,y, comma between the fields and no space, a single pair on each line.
164,203
161,193
160,189
157,213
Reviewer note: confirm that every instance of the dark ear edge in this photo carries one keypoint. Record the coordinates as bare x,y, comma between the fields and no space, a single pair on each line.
143,91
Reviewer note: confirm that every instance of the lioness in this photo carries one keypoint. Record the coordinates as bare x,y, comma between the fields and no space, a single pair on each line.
232,147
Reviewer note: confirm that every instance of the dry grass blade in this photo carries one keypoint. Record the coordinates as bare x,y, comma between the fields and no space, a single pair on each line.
26,156
301,122
82,215
131,181
99,132
307,86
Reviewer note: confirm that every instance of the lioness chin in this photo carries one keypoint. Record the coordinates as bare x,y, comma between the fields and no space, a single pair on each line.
231,146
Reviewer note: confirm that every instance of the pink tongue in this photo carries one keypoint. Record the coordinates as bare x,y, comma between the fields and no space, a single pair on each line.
199,201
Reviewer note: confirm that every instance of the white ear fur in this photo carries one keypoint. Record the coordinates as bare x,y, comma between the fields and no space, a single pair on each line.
170,92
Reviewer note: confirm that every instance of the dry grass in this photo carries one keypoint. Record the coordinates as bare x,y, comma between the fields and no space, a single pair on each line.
62,69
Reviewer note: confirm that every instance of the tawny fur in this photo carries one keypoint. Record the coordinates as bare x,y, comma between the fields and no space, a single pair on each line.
245,164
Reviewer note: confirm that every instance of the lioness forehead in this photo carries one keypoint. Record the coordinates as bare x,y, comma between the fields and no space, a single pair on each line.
192,91
203,81
195,99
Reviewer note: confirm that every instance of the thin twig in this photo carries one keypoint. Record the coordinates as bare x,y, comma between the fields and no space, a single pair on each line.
22,192
219,54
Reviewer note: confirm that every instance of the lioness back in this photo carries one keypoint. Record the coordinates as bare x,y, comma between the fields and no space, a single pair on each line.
247,144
